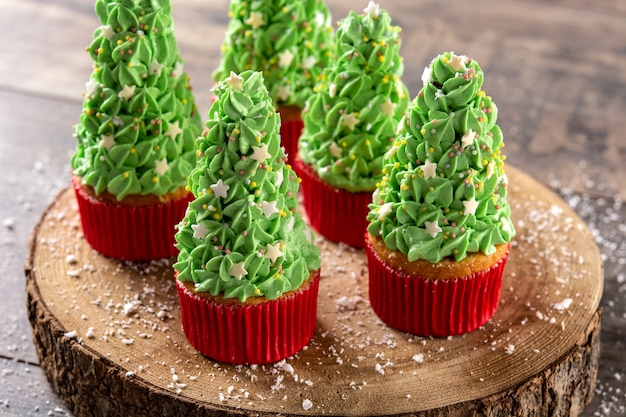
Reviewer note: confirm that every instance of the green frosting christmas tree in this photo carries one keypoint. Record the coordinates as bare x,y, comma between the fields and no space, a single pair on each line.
351,119
242,236
139,122
444,189
289,41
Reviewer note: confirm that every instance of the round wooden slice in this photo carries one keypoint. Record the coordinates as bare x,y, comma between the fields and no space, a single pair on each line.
110,341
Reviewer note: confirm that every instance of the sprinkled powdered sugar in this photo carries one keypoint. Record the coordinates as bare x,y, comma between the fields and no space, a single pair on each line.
139,309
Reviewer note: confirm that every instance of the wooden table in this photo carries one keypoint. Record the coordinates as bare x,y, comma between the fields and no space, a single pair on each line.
556,71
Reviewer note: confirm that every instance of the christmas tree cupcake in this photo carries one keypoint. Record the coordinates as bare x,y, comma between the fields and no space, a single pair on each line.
350,122
440,223
248,270
290,42
136,134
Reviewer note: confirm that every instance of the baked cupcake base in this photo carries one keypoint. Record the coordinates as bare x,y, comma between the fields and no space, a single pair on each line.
257,331
338,215
140,228
439,300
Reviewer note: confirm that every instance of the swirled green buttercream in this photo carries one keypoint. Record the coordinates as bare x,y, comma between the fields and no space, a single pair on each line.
289,41
444,189
139,122
242,236
351,119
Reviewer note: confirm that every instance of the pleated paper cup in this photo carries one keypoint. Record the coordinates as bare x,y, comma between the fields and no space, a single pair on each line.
291,126
130,232
433,307
337,214
258,331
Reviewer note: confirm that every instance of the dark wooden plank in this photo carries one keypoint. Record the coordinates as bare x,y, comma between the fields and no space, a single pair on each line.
25,392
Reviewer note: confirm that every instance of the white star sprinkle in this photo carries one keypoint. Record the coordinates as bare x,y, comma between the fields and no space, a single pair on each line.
178,70
350,120
238,270
335,150
372,9
255,20
283,92
279,178
388,107
107,32
332,90
457,62
319,19
155,67
467,139
285,58
220,189
160,167
432,228
91,87
128,91
199,230
269,208
384,210
235,81
107,141
506,226
273,252
470,206
309,62
260,153
429,169
173,130
427,75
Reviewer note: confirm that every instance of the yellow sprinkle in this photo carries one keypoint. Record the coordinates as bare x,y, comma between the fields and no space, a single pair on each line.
288,167
205,206
236,131
184,101
187,188
431,149
200,193
352,157
423,131
119,42
485,162
216,216
431,189
381,58
447,210
298,180
258,138
404,187
257,193
253,184
126,175
481,93
257,291
155,179
100,50
269,169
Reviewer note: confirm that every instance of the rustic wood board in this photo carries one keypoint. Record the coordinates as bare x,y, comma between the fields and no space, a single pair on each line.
109,338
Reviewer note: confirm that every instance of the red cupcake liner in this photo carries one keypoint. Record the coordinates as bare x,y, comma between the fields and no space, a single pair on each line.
432,307
338,215
132,233
255,333
289,135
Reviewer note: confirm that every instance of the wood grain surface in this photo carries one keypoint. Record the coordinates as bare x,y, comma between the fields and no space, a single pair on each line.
125,315
555,69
